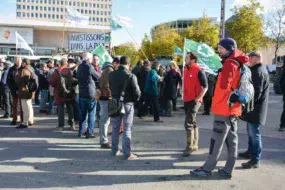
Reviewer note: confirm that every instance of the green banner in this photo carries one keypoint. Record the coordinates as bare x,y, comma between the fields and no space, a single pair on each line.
115,26
103,54
178,51
208,59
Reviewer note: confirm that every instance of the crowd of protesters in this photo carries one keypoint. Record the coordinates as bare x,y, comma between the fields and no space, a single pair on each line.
149,89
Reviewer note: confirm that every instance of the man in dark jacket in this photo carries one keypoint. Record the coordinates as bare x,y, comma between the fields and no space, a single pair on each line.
13,72
117,79
43,86
87,77
282,85
137,67
141,76
257,117
6,91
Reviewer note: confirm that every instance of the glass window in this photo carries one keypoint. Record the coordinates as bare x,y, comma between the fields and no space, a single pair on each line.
32,15
28,7
90,4
36,15
105,19
53,9
102,6
101,12
86,11
18,6
57,2
106,13
24,14
49,9
41,1
78,4
81,11
98,5
24,7
37,8
41,15
45,8
61,17
93,19
57,16
33,1
74,3
32,7
61,9
24,1
45,1
89,18
48,15
82,4
94,12
97,19
45,15
90,12
101,19
53,16
28,14
70,3
57,9
41,8
110,13
86,4
62,3
18,0
94,5
53,2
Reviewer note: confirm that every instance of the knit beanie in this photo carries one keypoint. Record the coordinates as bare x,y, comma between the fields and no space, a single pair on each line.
229,44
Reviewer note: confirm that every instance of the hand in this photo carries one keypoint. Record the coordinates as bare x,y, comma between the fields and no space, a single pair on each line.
197,100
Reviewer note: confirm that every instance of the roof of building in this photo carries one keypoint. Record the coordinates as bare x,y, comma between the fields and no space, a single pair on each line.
45,25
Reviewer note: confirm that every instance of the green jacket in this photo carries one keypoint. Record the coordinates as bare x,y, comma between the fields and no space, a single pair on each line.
151,86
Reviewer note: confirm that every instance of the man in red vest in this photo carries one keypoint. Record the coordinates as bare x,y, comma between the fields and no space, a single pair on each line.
195,87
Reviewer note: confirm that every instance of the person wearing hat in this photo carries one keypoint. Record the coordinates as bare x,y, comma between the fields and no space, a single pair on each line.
257,117
225,116
7,97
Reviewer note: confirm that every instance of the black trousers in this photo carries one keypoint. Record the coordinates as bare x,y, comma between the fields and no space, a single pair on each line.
207,103
152,100
7,97
283,113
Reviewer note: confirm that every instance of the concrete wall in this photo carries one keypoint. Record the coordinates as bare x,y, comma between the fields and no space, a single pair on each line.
268,53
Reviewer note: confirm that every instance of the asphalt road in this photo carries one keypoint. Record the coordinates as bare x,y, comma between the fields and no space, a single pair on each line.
42,158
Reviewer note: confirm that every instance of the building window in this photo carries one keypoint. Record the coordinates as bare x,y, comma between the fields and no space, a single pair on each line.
62,3
94,5
81,11
53,16
86,11
101,12
45,1
78,4
18,0
101,19
74,3
110,13
57,2
41,15
105,19
90,5
98,5
57,16
36,15
53,2
105,13
94,12
61,9
90,12
18,6
48,15
57,9
24,14
89,19
106,6
70,3
82,4
49,1
97,19
24,1
32,7
53,9
37,8
49,9
45,8
61,17
28,14
45,15
41,8
93,19
28,7
86,4
102,6
24,7
32,15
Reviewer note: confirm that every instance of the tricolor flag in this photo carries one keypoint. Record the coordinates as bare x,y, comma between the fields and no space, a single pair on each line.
75,17
21,43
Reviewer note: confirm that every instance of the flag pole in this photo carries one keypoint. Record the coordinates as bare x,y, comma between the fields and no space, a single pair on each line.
62,43
132,37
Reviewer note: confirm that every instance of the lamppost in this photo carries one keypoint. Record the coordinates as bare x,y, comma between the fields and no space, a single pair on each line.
222,29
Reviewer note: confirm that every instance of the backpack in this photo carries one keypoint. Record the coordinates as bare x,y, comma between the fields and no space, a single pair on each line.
245,90
33,83
66,90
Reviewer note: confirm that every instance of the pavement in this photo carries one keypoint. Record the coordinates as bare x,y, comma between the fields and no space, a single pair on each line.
41,157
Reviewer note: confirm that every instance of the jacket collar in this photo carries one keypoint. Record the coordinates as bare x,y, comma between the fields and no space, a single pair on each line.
62,68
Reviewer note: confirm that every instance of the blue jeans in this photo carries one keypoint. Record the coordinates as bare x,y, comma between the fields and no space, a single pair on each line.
254,141
51,102
87,107
44,96
128,119
104,122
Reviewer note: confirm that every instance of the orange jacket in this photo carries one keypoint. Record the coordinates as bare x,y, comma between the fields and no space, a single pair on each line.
228,79
192,86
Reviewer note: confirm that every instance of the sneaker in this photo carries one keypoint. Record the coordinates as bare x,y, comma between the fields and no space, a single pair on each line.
118,153
13,123
250,165
186,153
22,126
245,154
31,124
200,172
88,136
281,129
223,173
105,146
132,157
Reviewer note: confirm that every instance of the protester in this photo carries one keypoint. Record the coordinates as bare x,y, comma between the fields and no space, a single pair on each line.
116,63
210,92
105,97
7,97
37,72
22,80
96,64
76,110
141,76
11,82
282,85
51,67
2,60
225,116
257,117
118,79
171,80
137,67
43,86
151,90
195,87
87,76
56,81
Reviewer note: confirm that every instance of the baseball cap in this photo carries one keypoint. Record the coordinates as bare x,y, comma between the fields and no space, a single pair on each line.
255,53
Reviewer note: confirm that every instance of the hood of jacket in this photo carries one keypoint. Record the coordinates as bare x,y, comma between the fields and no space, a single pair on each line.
239,56
107,64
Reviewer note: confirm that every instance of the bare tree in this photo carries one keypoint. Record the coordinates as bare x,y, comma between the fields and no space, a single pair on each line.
276,25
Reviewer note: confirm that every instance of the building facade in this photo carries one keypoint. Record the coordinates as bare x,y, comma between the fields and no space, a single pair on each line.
98,11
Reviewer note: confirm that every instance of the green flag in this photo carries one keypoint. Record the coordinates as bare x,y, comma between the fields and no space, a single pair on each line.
208,59
115,26
103,54
178,51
